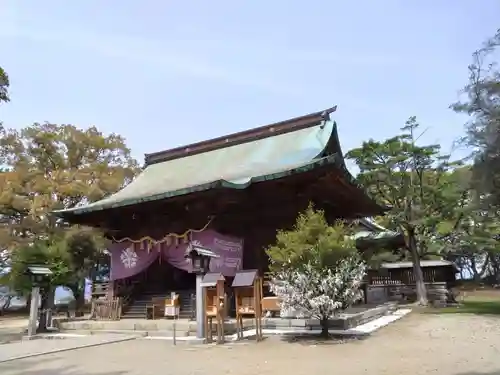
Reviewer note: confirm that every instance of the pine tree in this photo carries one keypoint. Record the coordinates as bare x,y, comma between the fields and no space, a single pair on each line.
418,184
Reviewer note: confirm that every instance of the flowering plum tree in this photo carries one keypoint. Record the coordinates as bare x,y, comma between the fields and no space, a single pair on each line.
315,269
319,293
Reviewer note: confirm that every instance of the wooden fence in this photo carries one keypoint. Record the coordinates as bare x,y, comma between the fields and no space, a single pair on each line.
101,289
405,277
106,309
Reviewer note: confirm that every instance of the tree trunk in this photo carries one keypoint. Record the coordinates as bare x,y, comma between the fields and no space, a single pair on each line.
417,270
495,267
475,274
79,295
5,304
324,327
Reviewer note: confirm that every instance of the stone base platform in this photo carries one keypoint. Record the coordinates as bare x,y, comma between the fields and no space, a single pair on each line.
351,318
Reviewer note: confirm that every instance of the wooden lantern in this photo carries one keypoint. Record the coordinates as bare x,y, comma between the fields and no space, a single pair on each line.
214,297
247,285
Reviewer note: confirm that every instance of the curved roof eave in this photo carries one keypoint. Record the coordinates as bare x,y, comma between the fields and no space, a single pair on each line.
330,153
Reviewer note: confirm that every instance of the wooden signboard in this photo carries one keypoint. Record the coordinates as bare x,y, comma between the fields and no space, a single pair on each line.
213,288
247,285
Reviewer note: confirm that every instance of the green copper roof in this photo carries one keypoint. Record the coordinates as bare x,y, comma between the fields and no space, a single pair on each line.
235,167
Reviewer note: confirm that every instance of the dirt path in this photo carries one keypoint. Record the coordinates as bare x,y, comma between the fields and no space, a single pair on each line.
12,328
418,344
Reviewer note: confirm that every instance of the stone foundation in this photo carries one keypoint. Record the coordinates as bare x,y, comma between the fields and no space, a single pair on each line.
353,317
437,293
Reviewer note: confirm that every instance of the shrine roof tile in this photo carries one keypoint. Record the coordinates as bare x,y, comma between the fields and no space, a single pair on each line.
275,151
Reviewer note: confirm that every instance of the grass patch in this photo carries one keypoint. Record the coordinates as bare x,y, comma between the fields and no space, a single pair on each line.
472,307
480,302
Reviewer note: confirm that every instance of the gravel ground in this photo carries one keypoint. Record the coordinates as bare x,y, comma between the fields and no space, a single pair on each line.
418,344
27,348
12,328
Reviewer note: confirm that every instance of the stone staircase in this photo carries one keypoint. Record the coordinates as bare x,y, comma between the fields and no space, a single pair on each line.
137,308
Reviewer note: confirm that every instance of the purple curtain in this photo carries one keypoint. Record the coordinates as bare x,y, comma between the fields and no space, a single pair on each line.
229,249
129,259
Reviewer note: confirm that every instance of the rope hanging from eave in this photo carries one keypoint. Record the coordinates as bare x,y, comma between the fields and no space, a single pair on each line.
166,237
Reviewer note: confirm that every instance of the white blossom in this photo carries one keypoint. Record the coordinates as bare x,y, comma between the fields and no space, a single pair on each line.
319,293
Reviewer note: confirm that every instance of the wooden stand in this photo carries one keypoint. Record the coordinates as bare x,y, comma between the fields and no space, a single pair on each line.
213,288
156,308
172,306
247,287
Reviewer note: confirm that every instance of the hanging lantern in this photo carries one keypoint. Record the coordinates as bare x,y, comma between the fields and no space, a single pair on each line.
200,258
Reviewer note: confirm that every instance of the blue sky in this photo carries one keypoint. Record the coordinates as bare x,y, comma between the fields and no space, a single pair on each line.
166,73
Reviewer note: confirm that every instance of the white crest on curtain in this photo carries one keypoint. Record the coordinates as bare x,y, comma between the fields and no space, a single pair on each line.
129,258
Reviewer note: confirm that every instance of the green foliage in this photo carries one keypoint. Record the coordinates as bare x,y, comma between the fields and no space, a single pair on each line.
417,182
4,86
70,257
375,257
482,105
40,253
313,241
51,167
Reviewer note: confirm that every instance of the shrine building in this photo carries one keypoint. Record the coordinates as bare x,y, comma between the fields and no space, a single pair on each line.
230,194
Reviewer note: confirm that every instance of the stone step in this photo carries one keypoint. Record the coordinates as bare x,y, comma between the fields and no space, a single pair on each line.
142,314
137,309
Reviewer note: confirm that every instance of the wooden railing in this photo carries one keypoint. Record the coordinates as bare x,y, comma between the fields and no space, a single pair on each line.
403,277
100,289
106,309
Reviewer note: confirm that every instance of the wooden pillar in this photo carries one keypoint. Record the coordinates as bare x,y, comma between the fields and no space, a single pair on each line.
111,292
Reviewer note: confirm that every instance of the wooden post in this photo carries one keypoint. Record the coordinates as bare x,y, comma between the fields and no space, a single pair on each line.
257,308
247,286
208,320
214,308
239,325
220,306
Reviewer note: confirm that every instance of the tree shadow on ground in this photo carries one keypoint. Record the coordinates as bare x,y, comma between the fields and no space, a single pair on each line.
470,307
315,339
42,365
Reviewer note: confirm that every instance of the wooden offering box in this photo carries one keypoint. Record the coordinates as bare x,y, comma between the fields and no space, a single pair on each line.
271,305
247,287
172,306
214,297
